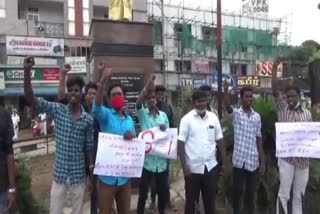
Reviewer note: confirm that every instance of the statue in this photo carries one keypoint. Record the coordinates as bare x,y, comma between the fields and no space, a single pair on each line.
120,10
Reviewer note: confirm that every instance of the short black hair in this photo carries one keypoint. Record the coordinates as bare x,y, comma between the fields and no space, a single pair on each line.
245,89
160,88
294,88
75,80
114,86
198,94
205,88
89,86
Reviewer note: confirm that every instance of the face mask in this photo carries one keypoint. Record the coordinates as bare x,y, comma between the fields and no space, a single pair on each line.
117,102
200,111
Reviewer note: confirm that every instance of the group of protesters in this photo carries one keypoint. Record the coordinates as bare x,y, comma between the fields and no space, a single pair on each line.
201,147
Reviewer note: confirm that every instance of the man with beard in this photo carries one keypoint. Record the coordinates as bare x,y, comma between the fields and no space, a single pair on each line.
248,155
90,93
74,141
293,171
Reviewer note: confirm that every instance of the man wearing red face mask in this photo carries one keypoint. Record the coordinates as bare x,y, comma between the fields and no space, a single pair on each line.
113,120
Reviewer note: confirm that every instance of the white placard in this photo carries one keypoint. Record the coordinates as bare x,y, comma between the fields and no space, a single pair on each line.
298,139
119,158
78,64
34,46
160,143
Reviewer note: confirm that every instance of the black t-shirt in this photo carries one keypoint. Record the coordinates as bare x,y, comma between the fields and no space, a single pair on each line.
6,148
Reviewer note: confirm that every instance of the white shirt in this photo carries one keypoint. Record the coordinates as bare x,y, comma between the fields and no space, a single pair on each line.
200,136
15,121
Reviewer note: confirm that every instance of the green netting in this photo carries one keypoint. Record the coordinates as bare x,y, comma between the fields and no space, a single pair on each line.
157,33
235,39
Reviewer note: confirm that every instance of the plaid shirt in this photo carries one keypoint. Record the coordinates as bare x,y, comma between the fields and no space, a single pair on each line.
298,114
72,139
247,127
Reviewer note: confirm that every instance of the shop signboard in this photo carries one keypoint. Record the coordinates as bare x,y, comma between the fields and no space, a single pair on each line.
38,74
78,64
251,81
264,69
34,46
193,82
200,65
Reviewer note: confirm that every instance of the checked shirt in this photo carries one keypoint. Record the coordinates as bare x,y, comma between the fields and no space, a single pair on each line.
72,140
247,127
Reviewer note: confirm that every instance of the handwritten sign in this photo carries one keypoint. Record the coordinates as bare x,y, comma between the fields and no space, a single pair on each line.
298,139
160,143
119,158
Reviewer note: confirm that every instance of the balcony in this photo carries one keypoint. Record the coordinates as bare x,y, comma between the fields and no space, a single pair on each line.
45,29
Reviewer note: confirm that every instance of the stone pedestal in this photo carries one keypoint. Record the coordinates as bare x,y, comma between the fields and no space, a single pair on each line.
127,48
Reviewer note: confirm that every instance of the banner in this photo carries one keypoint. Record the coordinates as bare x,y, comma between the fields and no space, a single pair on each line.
200,65
225,77
78,64
298,139
264,69
34,46
160,143
38,74
118,157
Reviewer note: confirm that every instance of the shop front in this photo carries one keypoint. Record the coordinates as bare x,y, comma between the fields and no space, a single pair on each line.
45,82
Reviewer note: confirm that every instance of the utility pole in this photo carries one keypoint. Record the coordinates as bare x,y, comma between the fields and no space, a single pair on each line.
219,54
163,46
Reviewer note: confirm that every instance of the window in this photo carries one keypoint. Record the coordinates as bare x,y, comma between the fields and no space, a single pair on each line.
33,16
178,29
212,66
182,66
243,70
71,18
3,9
208,33
233,69
86,17
158,65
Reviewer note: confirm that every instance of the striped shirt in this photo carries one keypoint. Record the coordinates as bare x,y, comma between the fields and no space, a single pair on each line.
299,114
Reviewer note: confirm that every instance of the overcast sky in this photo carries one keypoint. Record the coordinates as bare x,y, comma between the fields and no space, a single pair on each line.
305,15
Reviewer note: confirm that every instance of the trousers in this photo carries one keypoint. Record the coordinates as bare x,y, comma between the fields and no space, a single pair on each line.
57,196
297,178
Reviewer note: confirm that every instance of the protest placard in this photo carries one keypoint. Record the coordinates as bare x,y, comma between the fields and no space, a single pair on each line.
160,143
300,139
119,158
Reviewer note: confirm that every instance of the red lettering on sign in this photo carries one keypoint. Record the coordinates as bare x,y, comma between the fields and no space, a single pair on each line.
170,145
148,132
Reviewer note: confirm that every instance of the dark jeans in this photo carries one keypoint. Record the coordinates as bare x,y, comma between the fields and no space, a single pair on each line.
167,186
207,183
94,196
145,182
244,181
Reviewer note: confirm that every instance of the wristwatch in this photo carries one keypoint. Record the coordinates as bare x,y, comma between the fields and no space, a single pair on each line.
12,190
91,166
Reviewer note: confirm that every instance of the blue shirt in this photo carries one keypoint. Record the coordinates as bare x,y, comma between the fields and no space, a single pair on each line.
111,123
148,121
72,139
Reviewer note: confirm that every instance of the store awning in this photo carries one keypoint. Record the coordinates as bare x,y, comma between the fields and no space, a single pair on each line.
36,91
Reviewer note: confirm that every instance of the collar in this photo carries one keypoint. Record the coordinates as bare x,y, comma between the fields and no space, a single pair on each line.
251,110
158,112
297,108
197,115
113,111
83,112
